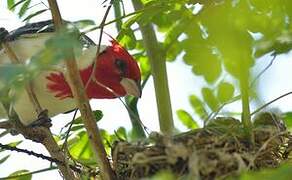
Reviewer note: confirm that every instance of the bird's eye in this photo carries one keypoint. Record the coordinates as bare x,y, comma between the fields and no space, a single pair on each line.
121,65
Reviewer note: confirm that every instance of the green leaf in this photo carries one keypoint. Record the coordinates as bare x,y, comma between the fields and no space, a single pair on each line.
163,175
9,72
81,149
281,173
12,144
23,8
127,38
121,133
13,76
198,106
186,119
13,6
21,176
147,14
225,92
280,44
202,58
34,14
144,65
4,159
287,117
210,98
10,4
77,127
107,140
165,19
98,115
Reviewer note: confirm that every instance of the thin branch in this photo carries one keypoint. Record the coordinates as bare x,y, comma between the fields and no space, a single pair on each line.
267,104
82,101
215,113
65,144
38,155
122,17
6,125
235,98
69,130
98,46
113,21
263,71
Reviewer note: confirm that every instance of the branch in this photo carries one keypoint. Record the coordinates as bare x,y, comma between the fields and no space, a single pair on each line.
267,104
158,70
115,20
41,135
38,155
263,71
81,98
6,125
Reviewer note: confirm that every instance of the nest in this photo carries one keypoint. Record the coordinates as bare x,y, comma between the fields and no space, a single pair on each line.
219,150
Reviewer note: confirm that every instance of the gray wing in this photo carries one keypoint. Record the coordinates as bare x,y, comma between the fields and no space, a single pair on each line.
42,27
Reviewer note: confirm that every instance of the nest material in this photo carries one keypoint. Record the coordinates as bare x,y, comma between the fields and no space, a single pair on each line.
219,150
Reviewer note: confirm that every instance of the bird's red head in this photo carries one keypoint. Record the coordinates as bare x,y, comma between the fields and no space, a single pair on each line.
116,74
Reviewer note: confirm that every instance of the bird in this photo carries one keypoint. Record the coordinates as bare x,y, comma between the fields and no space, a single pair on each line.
116,72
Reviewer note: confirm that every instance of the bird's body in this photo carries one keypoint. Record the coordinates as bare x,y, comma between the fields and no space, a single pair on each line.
52,88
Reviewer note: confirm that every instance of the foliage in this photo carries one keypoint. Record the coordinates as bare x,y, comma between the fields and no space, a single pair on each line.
215,38
287,117
186,119
20,175
282,173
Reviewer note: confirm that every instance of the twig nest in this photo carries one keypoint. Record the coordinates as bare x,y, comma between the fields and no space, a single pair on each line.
219,150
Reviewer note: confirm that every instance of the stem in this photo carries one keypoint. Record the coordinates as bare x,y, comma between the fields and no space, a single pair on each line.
118,14
137,128
244,88
158,70
81,98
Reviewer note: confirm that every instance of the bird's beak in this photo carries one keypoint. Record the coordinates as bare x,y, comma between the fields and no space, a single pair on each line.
132,87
